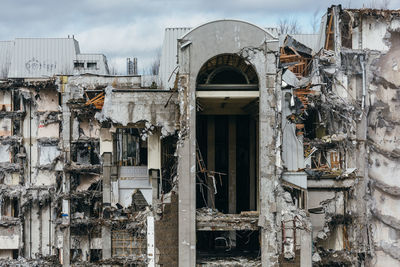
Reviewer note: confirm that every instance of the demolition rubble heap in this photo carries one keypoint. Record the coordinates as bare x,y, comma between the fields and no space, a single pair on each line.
249,148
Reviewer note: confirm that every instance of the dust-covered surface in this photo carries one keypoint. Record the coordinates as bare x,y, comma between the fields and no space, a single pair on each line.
72,193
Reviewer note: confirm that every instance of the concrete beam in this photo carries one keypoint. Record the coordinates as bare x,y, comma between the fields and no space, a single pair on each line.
105,230
229,94
330,183
211,158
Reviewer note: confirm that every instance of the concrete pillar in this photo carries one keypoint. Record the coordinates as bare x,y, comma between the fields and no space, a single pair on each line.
252,163
211,159
305,249
232,164
232,172
154,162
66,139
187,178
150,242
267,156
105,230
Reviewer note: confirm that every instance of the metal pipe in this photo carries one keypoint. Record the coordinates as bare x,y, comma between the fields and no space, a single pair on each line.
363,82
50,210
30,178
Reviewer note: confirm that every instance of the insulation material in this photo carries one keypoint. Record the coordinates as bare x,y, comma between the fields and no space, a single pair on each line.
48,154
5,153
44,177
5,126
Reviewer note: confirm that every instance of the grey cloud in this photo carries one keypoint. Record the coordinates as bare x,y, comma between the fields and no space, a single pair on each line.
122,28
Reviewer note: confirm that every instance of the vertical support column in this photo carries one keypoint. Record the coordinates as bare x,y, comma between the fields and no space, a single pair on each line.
258,162
150,242
232,164
105,230
66,138
305,249
154,162
211,159
187,174
252,163
267,159
232,172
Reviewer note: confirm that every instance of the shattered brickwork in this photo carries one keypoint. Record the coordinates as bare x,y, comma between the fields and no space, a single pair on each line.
166,231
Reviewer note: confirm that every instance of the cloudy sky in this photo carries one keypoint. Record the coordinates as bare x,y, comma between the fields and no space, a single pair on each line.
127,28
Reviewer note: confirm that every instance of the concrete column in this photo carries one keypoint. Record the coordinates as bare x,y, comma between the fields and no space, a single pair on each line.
211,159
232,164
267,156
187,176
105,230
258,163
66,138
154,162
252,153
150,242
232,172
305,249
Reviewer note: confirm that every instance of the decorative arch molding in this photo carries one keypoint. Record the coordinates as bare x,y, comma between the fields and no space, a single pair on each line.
227,69
204,54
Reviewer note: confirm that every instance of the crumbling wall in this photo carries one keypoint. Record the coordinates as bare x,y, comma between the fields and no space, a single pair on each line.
383,143
166,232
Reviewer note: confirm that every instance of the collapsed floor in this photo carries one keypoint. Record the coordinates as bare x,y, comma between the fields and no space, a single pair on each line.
93,169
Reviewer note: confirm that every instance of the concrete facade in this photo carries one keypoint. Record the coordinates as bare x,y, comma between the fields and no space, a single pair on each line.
262,151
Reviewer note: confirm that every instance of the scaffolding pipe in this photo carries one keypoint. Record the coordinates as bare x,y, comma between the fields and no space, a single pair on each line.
363,82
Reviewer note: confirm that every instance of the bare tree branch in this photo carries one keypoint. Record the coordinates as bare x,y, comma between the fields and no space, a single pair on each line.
288,26
155,65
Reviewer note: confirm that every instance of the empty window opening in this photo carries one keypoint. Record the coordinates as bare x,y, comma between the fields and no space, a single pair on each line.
227,244
131,149
312,128
79,65
15,253
95,255
92,65
86,153
226,75
86,206
168,162
10,207
227,69
76,254
230,143
16,101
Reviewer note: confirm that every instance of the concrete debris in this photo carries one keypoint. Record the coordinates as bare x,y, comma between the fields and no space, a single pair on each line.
268,150
230,262
47,261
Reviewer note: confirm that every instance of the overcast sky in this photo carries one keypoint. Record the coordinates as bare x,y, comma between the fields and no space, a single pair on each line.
127,28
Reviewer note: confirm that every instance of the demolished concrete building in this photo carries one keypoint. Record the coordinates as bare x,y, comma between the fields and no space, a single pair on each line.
251,149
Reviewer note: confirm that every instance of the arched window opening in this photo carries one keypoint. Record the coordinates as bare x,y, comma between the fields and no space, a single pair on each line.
227,69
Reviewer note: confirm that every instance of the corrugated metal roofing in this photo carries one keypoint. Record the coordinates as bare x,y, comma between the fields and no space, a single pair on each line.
46,57
309,40
42,57
168,61
6,49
